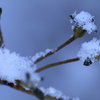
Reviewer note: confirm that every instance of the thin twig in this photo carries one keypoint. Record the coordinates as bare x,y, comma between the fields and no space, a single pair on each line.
57,63
1,37
57,49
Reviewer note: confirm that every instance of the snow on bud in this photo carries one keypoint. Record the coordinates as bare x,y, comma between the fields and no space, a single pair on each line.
83,22
90,52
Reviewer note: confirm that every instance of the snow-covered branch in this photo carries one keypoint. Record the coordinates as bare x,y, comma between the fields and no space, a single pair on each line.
41,93
21,75
55,50
90,52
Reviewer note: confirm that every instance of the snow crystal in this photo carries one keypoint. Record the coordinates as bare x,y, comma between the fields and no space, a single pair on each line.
84,20
14,67
54,93
41,54
90,50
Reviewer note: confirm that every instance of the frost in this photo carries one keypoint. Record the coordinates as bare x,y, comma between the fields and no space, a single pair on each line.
54,93
41,54
89,50
14,67
84,20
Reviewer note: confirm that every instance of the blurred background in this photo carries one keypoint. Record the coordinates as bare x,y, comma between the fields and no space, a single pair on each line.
31,26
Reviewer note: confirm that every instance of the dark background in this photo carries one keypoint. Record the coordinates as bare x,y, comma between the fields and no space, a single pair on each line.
30,26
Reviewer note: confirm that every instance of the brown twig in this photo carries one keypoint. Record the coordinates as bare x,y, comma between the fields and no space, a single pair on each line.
57,63
1,37
57,49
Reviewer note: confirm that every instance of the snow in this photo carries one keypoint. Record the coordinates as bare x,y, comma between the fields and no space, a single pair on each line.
84,20
90,27
54,93
14,67
41,54
89,50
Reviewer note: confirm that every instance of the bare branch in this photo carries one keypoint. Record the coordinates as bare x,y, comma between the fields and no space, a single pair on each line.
57,49
57,63
1,37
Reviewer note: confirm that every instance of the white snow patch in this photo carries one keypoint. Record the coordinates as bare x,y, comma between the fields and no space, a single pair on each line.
84,20
41,54
90,50
14,67
54,93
